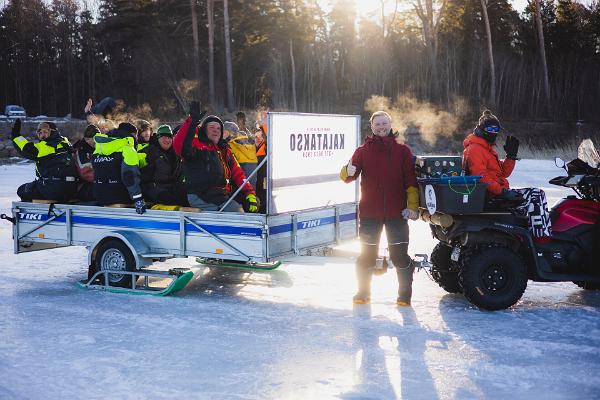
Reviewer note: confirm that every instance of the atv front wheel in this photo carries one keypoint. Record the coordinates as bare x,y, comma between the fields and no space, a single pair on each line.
588,285
440,271
493,278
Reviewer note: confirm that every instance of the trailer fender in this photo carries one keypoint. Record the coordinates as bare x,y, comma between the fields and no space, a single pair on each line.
131,239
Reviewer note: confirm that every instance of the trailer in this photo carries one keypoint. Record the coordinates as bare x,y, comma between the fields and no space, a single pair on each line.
305,152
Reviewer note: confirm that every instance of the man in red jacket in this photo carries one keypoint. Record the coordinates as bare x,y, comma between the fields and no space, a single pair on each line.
209,166
389,197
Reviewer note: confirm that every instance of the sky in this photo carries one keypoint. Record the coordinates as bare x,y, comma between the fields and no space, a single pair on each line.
370,6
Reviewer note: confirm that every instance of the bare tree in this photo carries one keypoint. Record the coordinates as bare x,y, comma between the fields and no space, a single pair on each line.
430,13
228,68
211,52
488,33
542,46
196,46
293,63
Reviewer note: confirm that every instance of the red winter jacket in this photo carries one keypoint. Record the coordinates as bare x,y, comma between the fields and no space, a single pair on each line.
208,168
480,158
388,169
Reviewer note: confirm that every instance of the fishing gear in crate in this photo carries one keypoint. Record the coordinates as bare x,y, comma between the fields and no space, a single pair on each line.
452,194
438,166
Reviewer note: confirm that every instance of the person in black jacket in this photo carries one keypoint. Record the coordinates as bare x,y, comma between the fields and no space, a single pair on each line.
162,180
54,167
84,150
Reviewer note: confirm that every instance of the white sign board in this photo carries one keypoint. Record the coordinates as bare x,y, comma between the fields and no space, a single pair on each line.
307,152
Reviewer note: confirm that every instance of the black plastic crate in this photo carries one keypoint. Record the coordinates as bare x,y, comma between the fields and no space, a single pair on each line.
454,195
438,166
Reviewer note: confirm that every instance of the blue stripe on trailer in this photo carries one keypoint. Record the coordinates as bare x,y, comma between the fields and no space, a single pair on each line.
311,223
145,224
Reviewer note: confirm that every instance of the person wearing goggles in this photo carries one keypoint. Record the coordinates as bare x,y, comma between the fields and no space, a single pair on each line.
481,159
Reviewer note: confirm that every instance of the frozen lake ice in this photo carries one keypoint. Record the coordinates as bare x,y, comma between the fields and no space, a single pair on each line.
292,333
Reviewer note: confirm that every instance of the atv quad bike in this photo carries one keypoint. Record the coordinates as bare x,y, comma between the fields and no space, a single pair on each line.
489,256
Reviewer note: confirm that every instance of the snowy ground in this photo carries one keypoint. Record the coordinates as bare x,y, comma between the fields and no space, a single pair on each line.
289,334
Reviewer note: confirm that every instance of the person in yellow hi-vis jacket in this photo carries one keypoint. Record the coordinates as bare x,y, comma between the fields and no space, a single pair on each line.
54,166
389,197
117,177
242,147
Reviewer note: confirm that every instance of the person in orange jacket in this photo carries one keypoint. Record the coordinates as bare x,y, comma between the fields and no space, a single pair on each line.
481,159
260,140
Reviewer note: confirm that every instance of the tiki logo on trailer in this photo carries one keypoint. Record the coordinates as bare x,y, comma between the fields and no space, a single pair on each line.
29,216
313,223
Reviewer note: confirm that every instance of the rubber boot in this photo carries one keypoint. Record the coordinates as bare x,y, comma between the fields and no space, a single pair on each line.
404,270
364,274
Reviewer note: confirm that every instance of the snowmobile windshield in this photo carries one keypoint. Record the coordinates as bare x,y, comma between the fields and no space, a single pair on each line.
588,154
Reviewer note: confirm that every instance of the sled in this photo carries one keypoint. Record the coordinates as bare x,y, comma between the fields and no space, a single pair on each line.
178,279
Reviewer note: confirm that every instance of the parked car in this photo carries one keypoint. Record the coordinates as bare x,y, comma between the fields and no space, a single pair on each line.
14,111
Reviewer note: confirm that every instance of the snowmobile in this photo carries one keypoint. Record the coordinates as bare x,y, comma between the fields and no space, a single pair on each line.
490,256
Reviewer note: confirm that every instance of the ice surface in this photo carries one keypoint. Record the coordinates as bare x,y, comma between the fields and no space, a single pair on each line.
288,334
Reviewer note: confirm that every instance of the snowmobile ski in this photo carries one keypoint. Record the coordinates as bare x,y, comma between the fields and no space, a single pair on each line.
179,278
255,266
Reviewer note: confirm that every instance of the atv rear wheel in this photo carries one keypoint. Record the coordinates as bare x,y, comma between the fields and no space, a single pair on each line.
493,278
588,285
440,271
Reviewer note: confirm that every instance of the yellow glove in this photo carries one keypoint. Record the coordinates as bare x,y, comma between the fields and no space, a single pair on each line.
412,198
347,171
252,203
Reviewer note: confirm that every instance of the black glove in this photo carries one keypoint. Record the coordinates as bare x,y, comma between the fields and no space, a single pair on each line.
195,112
511,195
140,206
16,129
511,147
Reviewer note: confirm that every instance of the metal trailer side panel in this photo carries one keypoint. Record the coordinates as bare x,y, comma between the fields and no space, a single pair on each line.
292,232
232,236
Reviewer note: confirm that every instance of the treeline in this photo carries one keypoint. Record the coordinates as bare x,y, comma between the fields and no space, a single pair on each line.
293,55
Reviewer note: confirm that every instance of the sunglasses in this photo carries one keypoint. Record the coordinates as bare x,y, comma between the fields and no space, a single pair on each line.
492,129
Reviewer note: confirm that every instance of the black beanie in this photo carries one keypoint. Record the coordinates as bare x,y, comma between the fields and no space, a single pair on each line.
486,120
90,131
125,129
202,128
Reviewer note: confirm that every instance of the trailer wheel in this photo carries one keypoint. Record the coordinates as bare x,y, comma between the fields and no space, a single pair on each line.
588,285
115,255
493,278
440,272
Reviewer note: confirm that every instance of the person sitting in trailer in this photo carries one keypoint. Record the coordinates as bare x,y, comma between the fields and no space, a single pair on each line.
84,151
162,178
260,141
144,139
54,167
209,166
242,147
116,172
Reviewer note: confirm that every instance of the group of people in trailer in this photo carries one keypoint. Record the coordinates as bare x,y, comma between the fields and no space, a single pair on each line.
202,162
199,163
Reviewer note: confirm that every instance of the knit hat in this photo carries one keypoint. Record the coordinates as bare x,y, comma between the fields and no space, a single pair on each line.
231,127
51,126
488,127
143,125
164,130
202,127
90,131
124,130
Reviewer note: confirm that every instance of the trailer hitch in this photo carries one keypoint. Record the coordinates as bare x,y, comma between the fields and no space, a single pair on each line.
6,217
